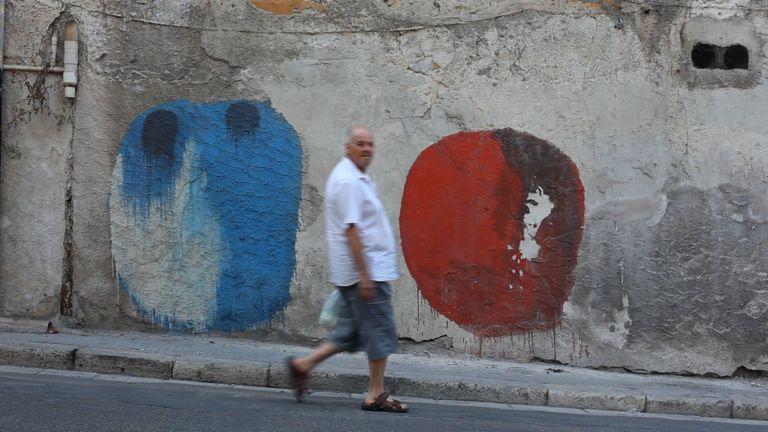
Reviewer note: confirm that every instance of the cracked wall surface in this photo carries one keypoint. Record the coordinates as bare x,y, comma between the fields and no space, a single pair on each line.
669,274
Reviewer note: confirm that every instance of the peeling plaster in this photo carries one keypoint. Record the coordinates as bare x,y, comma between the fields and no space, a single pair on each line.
613,5
287,7
720,9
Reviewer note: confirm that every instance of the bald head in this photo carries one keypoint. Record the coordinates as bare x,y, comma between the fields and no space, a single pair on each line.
356,131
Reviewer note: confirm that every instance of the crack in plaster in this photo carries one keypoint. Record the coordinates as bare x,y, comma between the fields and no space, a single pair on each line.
408,67
219,59
434,339
67,270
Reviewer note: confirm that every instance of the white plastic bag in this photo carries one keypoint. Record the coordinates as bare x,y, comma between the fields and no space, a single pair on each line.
330,312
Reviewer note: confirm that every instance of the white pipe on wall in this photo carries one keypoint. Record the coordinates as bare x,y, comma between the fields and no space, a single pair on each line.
70,60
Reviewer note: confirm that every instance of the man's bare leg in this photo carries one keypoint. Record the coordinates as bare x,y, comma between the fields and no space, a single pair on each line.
324,351
376,370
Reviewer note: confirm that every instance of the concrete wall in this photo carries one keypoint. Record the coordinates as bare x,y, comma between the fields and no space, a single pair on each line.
566,183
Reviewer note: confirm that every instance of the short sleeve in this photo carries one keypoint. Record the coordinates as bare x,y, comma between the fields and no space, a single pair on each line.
350,197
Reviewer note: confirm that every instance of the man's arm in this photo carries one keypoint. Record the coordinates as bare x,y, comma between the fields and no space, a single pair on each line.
365,288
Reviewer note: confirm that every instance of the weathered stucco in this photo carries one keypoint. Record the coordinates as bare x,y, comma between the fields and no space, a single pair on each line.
669,274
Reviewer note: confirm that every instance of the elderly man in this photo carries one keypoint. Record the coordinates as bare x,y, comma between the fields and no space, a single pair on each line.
361,249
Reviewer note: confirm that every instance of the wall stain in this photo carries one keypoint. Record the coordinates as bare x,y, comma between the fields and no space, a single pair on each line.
687,275
12,151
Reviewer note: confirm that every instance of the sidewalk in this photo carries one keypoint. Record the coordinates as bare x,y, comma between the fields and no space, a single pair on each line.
239,361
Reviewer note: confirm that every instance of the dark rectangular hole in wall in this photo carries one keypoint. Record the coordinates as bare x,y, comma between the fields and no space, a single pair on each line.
704,56
736,57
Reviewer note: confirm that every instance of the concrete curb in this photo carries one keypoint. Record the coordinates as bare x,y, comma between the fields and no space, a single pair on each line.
705,407
121,362
263,374
480,392
38,355
325,380
596,400
749,410
222,372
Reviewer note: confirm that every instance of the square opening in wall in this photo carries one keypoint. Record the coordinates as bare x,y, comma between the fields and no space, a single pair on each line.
721,53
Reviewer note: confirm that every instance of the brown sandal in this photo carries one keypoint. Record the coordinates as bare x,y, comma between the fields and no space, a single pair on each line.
298,379
383,404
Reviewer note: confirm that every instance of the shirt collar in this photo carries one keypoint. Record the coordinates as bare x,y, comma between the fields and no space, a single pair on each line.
354,169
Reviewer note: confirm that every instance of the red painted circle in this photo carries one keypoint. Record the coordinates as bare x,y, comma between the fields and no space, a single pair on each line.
462,223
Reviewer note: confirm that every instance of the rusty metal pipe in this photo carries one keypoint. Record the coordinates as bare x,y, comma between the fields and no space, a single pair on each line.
24,68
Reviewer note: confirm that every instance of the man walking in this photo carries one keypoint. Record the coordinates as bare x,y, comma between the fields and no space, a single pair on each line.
361,249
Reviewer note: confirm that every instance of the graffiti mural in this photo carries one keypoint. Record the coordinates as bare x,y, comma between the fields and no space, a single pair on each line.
491,224
204,211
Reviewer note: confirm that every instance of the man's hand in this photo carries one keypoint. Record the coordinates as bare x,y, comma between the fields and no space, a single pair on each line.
366,289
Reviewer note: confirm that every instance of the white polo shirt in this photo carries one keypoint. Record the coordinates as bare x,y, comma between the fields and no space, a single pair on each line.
351,198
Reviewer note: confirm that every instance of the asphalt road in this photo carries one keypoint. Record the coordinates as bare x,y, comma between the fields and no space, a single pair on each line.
69,401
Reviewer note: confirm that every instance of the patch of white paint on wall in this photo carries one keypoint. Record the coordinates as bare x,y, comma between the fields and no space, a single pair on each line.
660,211
607,328
539,207
622,324
171,259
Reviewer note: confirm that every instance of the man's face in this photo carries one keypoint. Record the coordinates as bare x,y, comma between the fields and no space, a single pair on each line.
360,148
